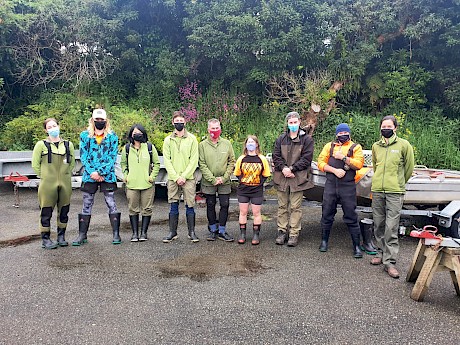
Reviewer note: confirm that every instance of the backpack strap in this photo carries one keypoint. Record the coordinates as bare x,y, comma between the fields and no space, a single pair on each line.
331,152
127,146
67,151
48,147
150,148
350,150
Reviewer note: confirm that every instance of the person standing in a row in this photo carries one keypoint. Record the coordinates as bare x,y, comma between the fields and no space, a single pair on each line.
217,161
140,165
292,158
98,154
252,170
340,159
53,160
180,154
393,163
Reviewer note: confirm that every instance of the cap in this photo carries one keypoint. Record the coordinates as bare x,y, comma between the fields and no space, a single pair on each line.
292,114
343,127
99,114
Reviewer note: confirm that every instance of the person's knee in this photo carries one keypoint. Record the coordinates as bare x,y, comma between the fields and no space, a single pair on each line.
210,201
174,208
64,214
224,202
45,216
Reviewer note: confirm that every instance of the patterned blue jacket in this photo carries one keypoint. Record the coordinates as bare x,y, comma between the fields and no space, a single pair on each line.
100,158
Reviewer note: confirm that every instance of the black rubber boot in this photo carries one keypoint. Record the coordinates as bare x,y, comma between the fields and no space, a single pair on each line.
242,236
357,253
144,228
61,237
191,227
134,220
46,241
366,233
324,240
83,225
115,223
173,222
255,236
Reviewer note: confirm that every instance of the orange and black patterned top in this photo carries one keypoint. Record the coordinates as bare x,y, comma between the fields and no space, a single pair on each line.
251,171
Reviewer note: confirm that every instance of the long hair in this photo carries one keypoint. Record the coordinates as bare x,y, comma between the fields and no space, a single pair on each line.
253,137
91,128
140,128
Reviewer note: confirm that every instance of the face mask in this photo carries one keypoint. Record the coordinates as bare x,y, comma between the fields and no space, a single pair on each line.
215,134
387,132
54,133
179,126
343,138
293,128
100,124
139,137
251,146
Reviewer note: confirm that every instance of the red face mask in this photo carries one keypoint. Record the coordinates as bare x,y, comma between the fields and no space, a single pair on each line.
215,134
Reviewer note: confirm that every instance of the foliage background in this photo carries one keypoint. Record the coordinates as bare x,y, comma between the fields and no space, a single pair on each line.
142,60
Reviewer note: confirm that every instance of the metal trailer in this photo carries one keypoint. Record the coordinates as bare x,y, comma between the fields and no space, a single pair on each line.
426,189
14,163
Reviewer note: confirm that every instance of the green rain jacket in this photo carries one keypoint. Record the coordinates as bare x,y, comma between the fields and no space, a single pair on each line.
180,156
136,169
216,160
393,165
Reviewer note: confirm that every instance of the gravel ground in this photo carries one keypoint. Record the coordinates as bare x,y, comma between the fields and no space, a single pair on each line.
208,292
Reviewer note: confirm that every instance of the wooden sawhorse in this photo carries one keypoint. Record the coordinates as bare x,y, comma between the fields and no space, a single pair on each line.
427,260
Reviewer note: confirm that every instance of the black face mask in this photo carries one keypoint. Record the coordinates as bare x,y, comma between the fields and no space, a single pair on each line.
139,137
179,126
387,132
343,138
100,124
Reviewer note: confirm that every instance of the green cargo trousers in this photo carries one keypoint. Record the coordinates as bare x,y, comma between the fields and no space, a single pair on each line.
386,208
290,211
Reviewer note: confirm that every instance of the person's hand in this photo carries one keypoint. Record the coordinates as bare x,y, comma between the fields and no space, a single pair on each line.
286,172
180,181
150,180
101,179
95,176
219,180
338,155
339,173
291,175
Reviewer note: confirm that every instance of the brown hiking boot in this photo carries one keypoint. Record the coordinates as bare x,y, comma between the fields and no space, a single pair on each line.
293,241
281,239
376,261
392,271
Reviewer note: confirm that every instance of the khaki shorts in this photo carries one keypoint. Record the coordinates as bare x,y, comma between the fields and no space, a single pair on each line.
188,189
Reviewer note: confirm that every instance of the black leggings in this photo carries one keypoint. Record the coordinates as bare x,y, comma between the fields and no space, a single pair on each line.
224,201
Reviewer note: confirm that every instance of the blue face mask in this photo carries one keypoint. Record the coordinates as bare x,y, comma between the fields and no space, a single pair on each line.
54,133
293,128
251,146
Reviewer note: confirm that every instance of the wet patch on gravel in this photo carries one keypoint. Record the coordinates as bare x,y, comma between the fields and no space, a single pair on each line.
206,267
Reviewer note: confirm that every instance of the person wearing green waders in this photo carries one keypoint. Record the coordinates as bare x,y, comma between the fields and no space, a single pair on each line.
53,161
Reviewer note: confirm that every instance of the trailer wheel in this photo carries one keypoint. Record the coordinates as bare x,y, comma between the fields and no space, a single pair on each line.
455,226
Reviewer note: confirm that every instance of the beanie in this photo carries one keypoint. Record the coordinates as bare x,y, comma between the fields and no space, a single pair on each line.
343,127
